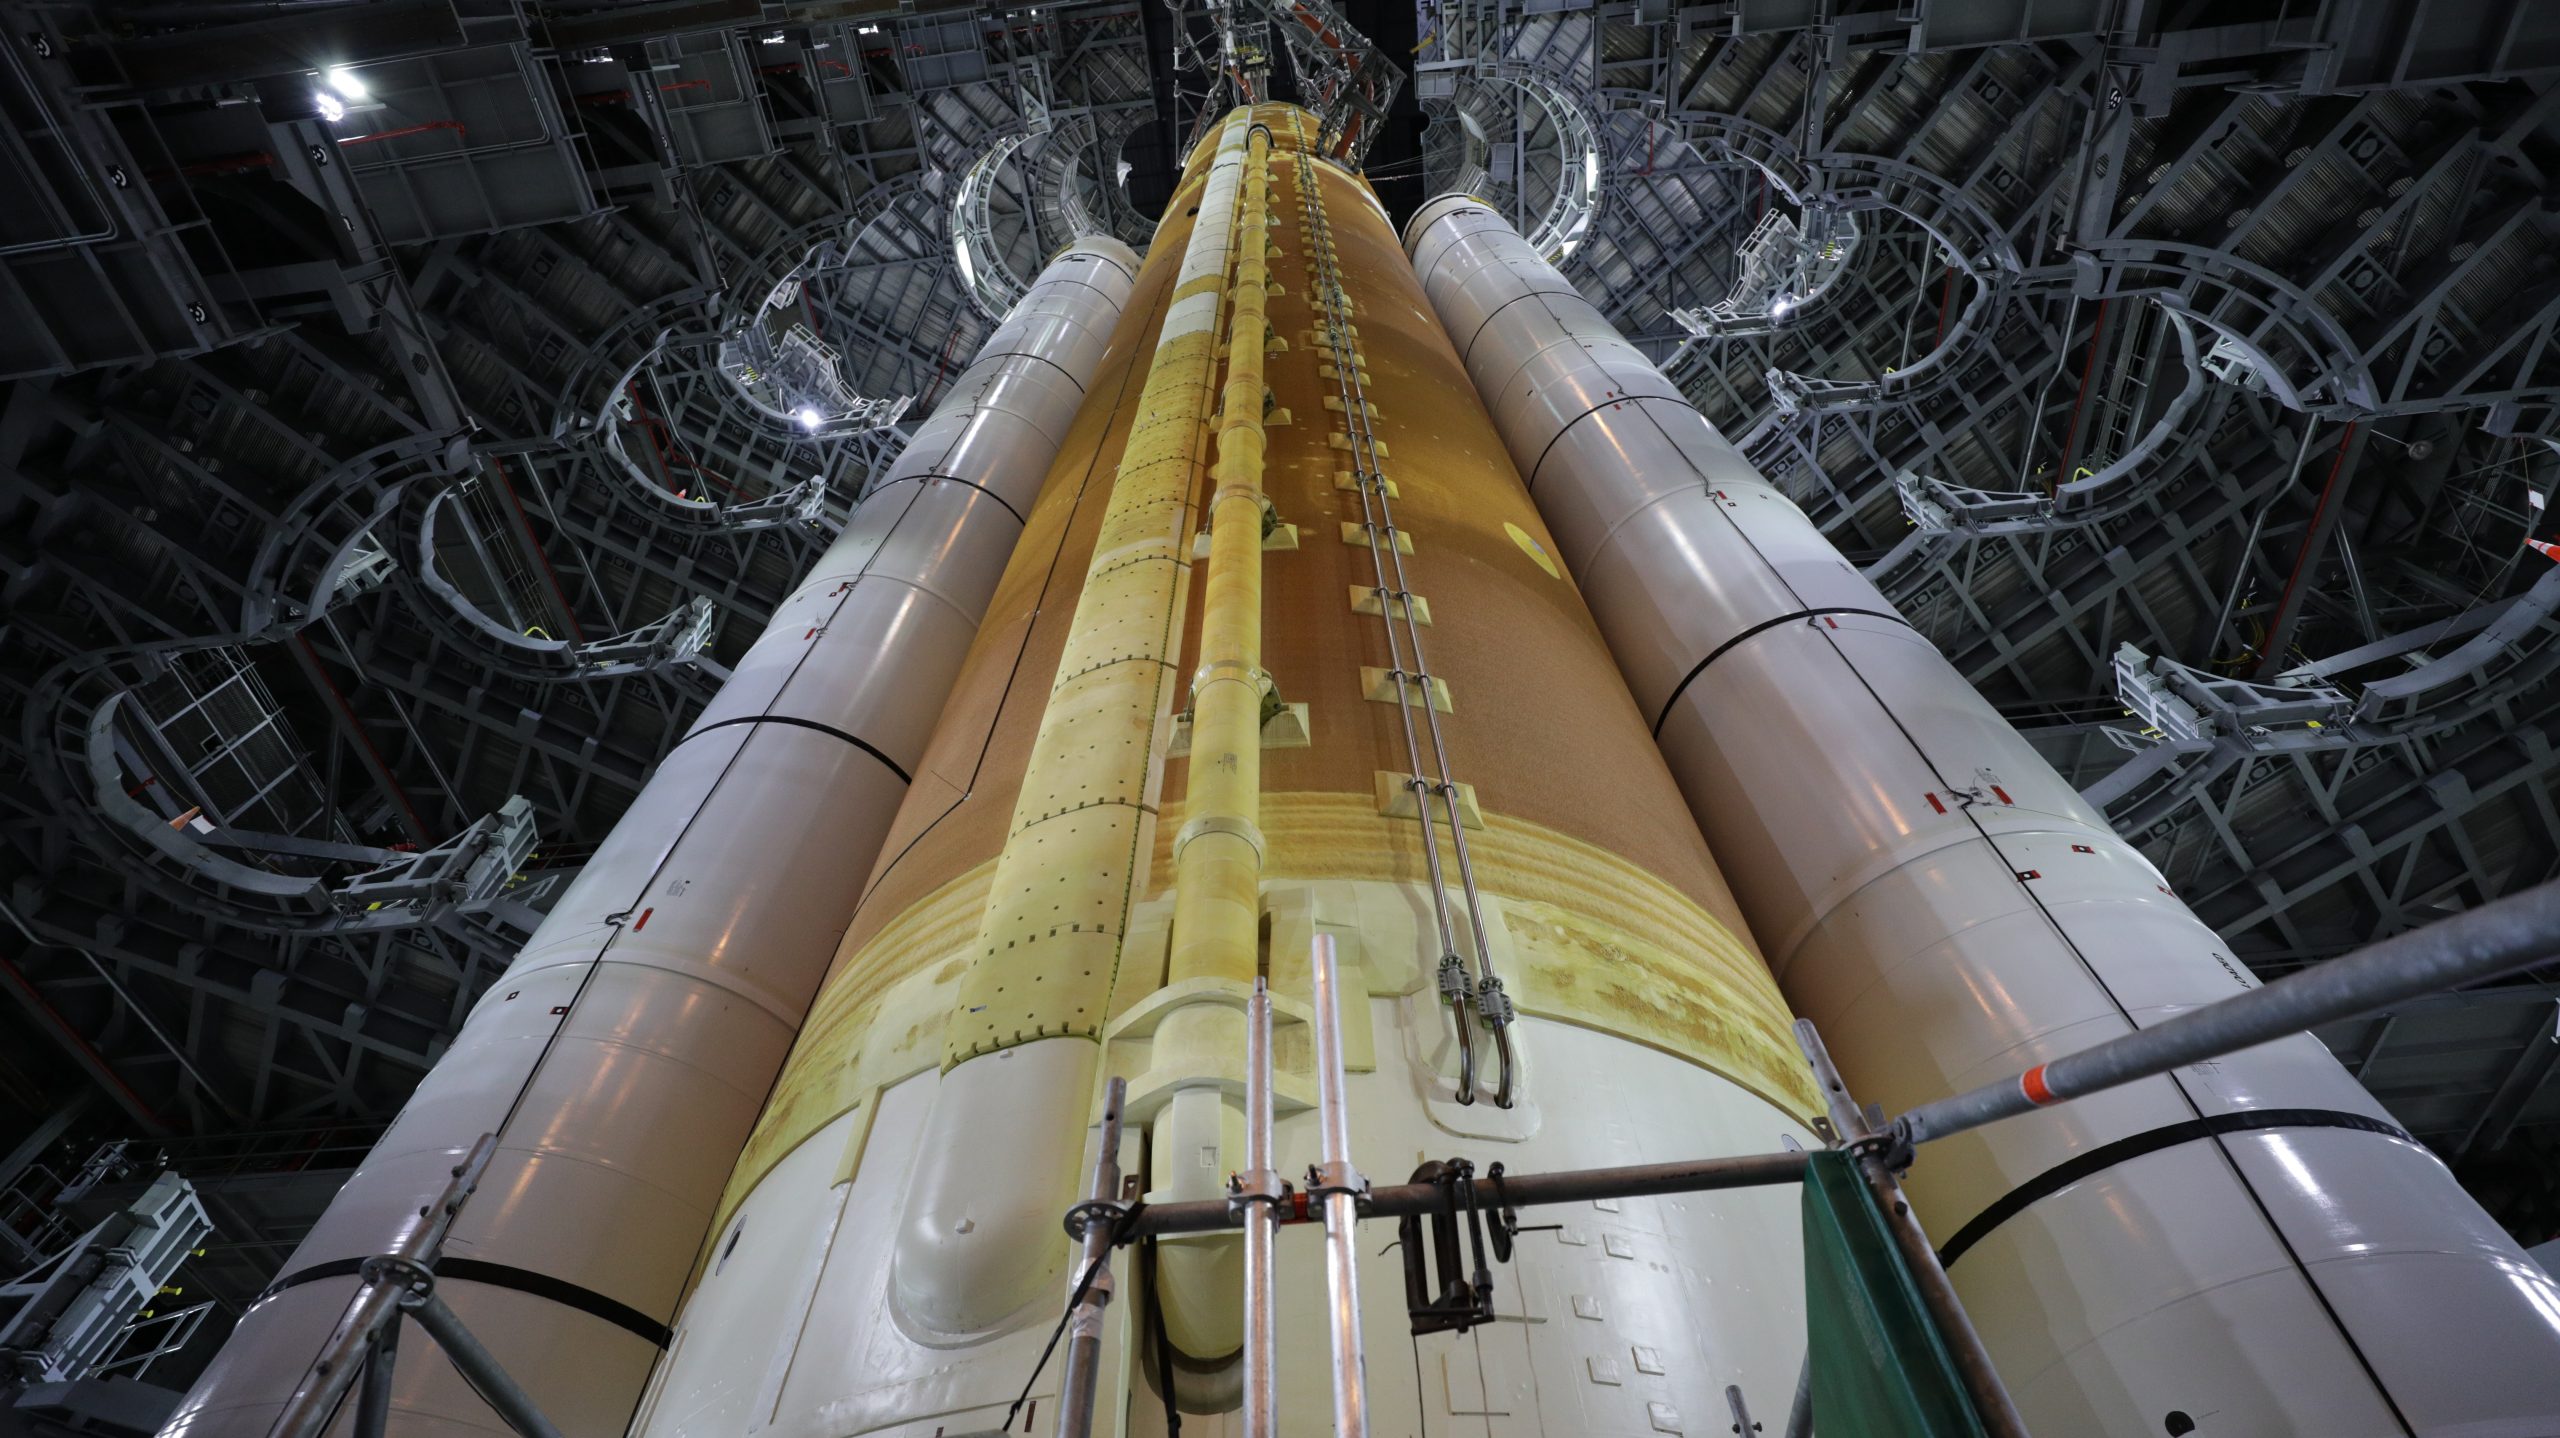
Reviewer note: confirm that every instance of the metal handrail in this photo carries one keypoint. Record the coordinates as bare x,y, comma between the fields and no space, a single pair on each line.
1093,1295
1880,1163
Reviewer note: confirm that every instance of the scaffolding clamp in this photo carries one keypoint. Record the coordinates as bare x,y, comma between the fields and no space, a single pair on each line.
1264,1186
1440,1295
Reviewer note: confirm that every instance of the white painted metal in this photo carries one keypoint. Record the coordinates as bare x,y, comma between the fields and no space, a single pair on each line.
625,1054
1947,909
801,1331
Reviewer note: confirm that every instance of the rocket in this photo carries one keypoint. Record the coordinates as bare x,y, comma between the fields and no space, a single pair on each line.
1309,581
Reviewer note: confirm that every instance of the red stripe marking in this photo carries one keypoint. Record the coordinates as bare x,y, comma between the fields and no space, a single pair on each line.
643,921
2003,793
2031,1083
1935,804
1834,623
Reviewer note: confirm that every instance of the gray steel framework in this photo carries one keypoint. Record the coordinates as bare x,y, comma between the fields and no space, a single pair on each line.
567,216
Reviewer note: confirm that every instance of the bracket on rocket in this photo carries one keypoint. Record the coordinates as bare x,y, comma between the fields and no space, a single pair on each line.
1459,1300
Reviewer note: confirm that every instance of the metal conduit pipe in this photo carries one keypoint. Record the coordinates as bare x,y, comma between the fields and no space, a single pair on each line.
623,1057
1218,855
1414,680
2251,1239
1020,1044
1216,941
2502,937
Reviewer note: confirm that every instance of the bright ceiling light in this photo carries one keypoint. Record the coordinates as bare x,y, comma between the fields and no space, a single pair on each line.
1778,307
809,419
344,81
332,109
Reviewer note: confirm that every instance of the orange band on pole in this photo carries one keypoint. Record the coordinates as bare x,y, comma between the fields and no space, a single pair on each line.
2031,1083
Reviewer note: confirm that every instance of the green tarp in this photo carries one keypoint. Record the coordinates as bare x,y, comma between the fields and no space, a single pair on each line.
1879,1369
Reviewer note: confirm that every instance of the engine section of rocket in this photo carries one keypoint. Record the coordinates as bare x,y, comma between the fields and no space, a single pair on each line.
1285,650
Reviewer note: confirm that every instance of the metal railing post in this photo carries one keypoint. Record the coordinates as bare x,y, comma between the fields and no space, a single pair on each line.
1340,1184
1516,1190
1077,1390
373,1400
1257,1189
1800,1413
340,1362
1973,1361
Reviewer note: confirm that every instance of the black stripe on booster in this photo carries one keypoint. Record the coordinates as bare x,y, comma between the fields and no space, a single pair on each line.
502,1275
2097,1160
828,729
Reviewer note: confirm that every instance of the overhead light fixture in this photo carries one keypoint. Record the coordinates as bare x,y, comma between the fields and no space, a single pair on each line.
1778,307
344,81
810,419
332,109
